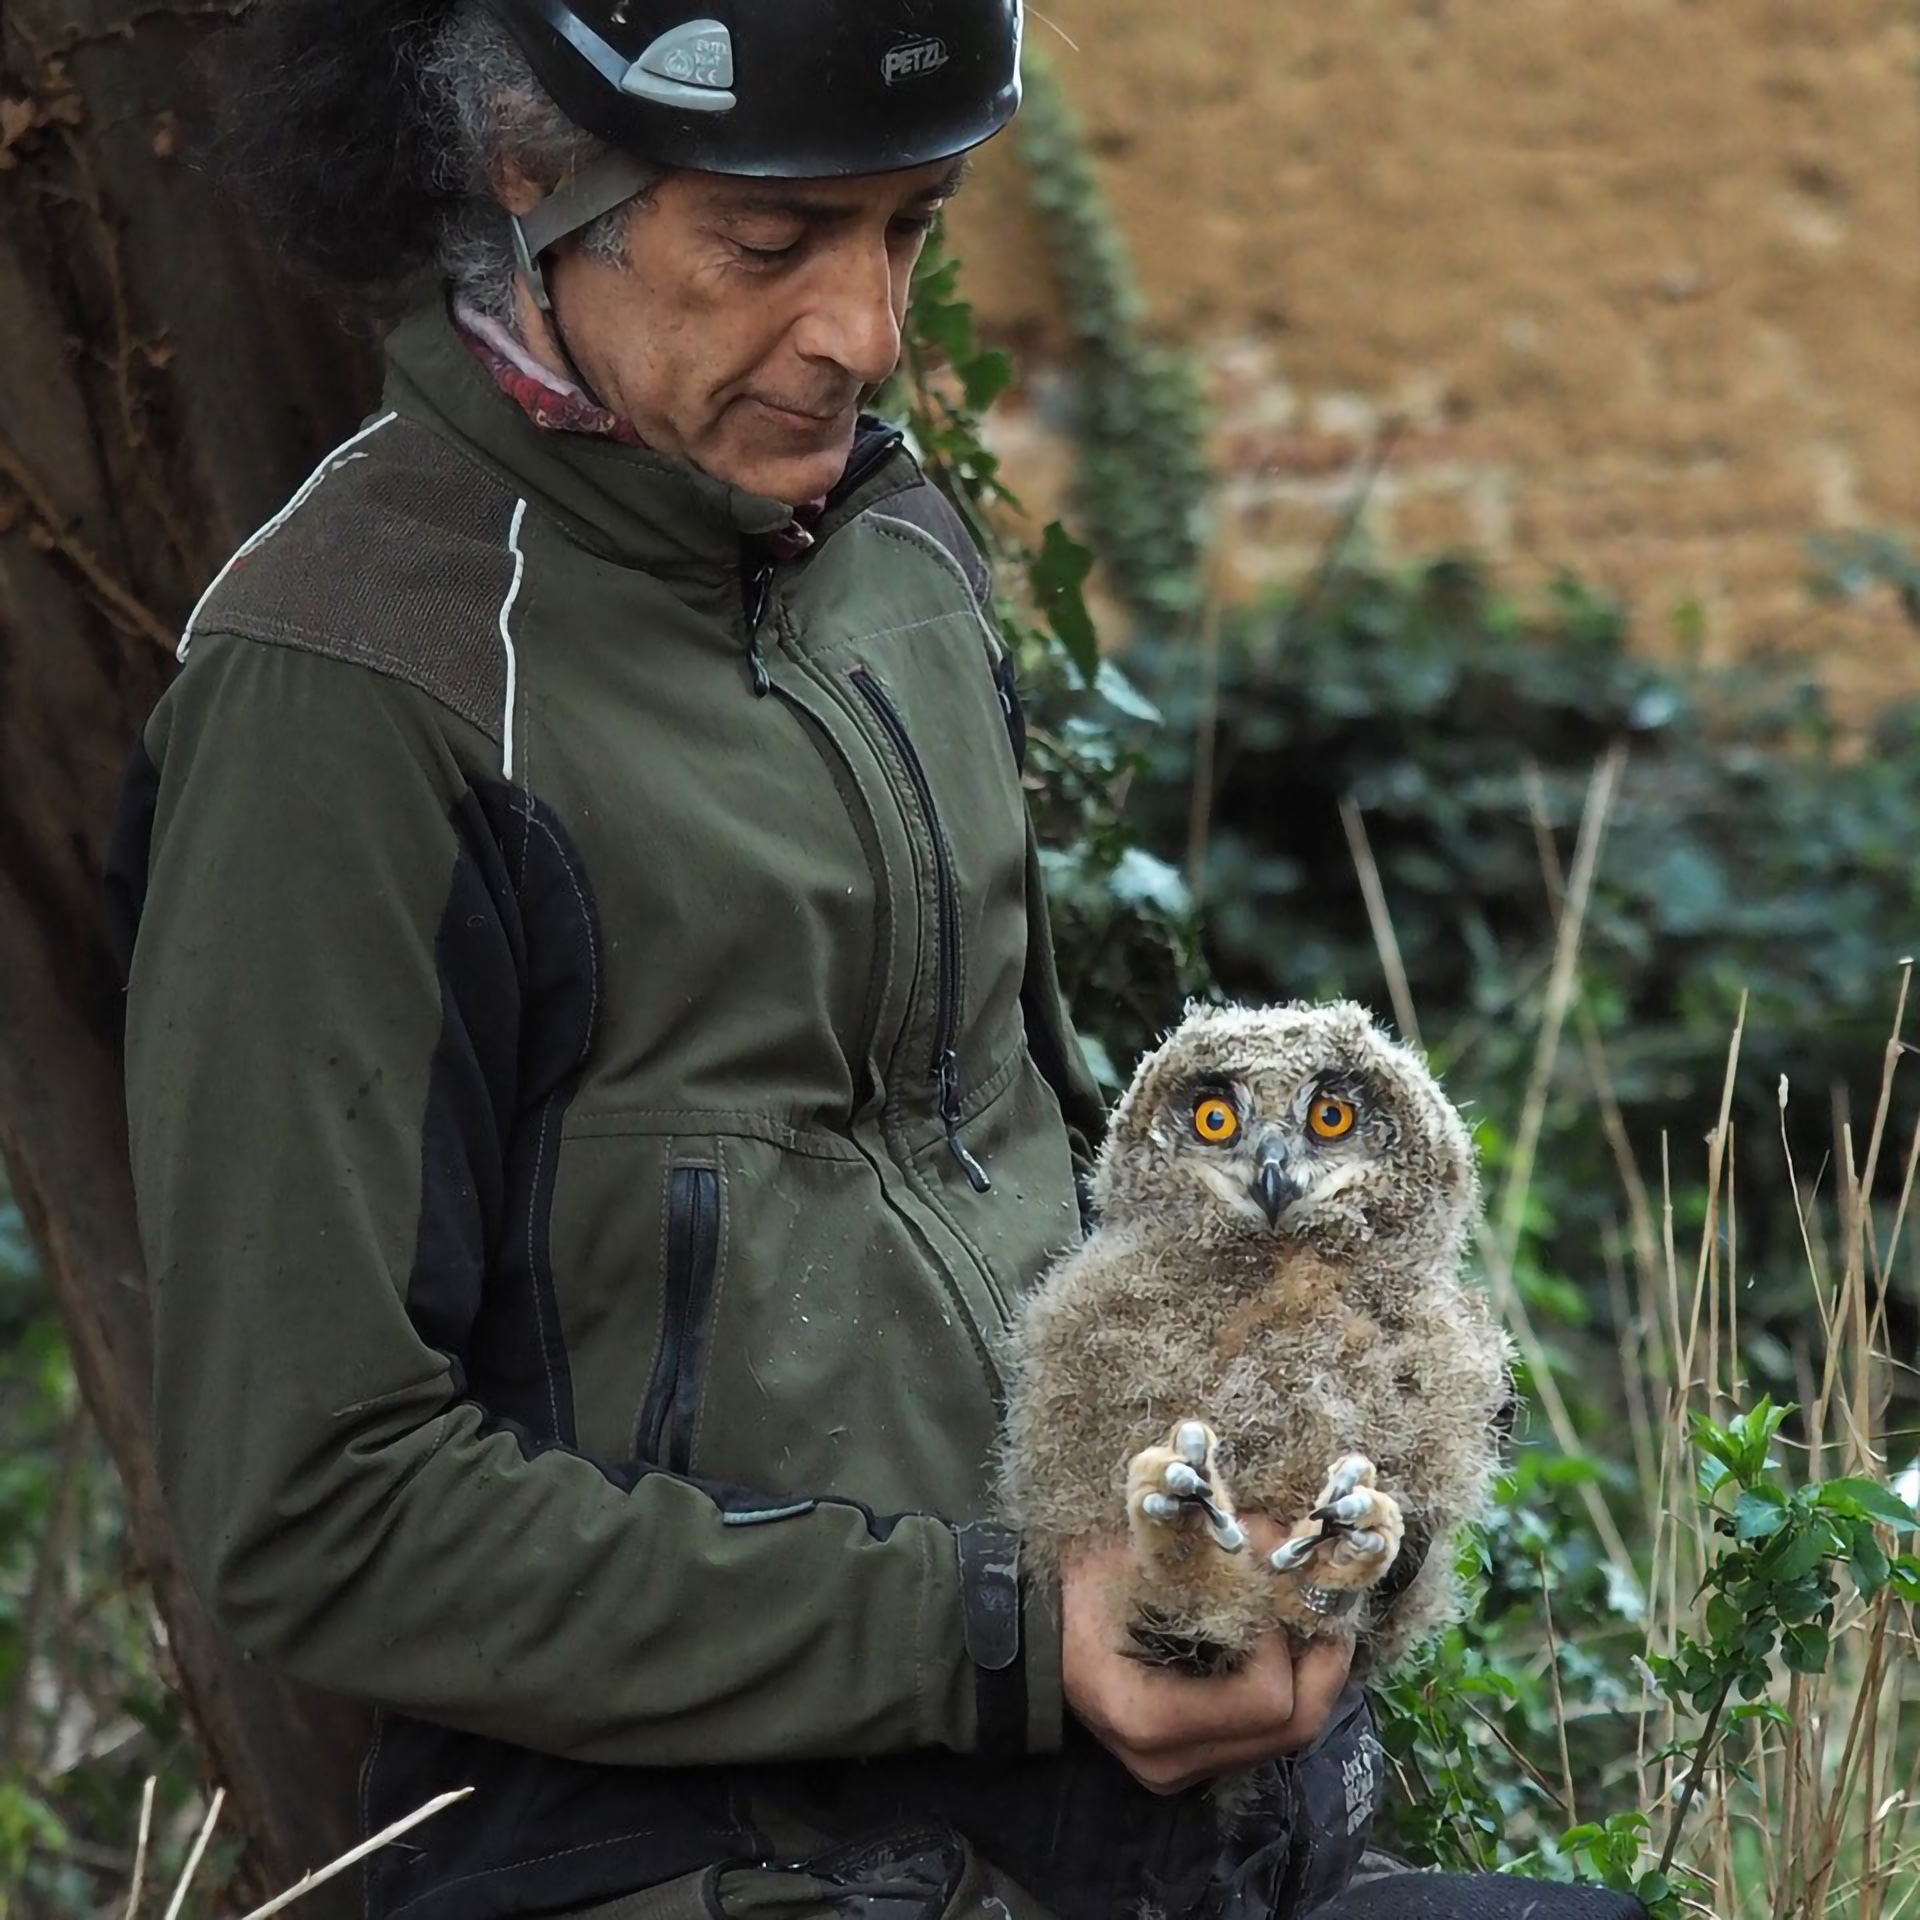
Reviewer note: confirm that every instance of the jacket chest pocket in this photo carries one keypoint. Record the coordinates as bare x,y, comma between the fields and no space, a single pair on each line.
669,1416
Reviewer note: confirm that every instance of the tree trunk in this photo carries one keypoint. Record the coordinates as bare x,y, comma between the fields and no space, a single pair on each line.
161,392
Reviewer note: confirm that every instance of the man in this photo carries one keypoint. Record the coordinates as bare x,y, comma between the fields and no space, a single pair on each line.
597,1077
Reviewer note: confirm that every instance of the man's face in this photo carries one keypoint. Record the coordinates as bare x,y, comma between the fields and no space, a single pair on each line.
752,317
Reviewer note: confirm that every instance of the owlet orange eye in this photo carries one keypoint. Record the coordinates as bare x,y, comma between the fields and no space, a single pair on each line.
1331,1117
1215,1121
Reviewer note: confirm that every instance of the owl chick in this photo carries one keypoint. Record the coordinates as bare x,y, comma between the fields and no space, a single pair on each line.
1269,1317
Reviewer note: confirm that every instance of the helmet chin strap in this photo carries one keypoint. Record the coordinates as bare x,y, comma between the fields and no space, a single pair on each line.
571,360
578,201
598,187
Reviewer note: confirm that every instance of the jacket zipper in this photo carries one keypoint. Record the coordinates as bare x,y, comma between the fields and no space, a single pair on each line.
756,590
759,567
945,1071
672,1405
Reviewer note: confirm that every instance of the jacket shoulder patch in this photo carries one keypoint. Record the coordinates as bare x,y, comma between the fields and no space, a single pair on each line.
403,559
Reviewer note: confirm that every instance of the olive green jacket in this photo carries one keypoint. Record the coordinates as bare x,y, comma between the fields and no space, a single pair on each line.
596,1078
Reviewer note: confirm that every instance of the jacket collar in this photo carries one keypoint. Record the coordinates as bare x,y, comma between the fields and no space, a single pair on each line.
627,504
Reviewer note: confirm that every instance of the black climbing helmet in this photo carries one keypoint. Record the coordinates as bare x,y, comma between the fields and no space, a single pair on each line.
779,89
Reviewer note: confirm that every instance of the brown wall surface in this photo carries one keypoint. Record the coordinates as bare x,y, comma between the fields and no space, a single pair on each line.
1641,278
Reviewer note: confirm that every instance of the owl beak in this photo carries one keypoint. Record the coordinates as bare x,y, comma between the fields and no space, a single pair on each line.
1273,1182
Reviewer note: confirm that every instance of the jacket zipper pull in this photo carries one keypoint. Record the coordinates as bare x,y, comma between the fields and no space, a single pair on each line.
950,1113
759,591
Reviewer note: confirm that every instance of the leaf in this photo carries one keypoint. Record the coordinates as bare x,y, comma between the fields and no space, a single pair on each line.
1796,1555
1805,1649
1870,1499
946,325
1759,1512
1142,879
1868,1563
1123,696
1714,1440
984,378
1724,1618
1058,574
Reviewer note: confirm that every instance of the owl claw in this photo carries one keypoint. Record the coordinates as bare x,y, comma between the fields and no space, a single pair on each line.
1228,1534
1295,1554
1346,1511
1349,1539
1176,1485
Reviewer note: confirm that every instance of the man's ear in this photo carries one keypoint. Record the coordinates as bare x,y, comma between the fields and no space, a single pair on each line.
513,190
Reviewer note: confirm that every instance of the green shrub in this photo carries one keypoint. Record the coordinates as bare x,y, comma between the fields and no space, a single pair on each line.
1754,853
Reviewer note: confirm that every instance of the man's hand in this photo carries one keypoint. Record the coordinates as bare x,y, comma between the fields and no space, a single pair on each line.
1170,1730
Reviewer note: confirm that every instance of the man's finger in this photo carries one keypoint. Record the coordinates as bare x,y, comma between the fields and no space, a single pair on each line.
1319,1676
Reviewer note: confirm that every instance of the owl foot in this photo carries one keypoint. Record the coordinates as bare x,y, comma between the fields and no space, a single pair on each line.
1345,1545
1176,1488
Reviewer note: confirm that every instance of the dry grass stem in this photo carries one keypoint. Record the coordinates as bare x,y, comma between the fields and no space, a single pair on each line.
1497,1249
194,1857
321,1875
140,1848
1381,921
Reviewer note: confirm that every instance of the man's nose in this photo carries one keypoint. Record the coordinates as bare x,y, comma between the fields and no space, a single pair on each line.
854,320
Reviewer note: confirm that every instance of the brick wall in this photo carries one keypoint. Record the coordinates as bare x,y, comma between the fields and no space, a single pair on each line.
1640,279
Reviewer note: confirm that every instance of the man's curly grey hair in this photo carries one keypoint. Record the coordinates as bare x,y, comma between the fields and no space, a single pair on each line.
494,120
370,139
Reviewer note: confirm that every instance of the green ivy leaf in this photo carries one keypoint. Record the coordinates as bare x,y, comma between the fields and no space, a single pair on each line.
984,378
1058,572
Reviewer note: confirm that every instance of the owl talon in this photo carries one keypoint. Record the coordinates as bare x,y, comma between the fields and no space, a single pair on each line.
1228,1534
1346,1511
1350,1471
1176,1487
1295,1554
1349,1540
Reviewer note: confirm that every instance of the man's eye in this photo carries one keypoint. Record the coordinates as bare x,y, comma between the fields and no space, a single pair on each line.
766,256
915,226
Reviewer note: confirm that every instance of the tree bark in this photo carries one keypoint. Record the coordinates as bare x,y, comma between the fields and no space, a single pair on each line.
162,389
